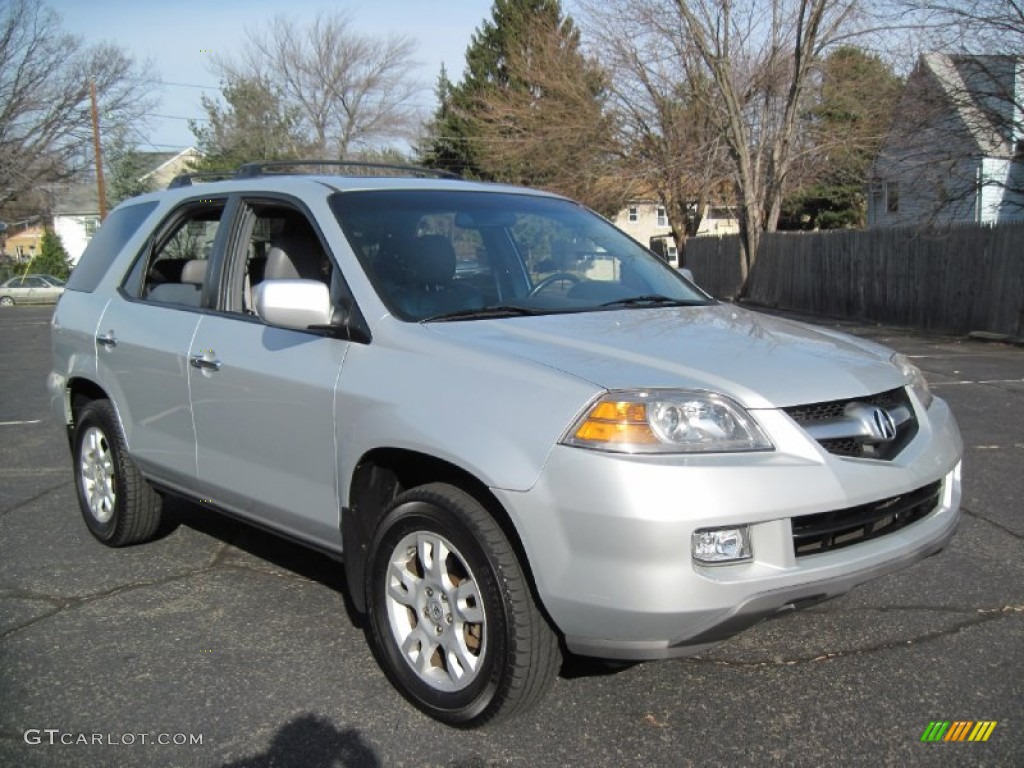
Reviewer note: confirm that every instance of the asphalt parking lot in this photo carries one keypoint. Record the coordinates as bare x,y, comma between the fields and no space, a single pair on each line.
225,636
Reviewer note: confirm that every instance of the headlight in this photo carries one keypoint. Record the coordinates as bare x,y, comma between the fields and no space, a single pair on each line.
914,378
667,421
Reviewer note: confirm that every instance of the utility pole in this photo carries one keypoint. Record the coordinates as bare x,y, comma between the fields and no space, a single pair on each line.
101,188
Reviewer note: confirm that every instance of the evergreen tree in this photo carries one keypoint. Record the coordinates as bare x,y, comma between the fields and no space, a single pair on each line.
446,144
530,109
457,140
856,97
252,124
52,258
126,167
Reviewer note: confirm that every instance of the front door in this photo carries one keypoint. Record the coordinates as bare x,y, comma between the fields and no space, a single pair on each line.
262,396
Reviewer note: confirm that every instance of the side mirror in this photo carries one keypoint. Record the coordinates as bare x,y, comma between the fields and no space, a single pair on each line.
295,304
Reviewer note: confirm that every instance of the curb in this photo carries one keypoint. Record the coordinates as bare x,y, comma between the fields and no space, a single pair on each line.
999,338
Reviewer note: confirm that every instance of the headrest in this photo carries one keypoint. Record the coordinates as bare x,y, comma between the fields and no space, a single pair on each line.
194,271
432,260
294,255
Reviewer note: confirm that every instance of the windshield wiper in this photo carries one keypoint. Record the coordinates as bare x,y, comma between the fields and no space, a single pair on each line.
499,310
653,300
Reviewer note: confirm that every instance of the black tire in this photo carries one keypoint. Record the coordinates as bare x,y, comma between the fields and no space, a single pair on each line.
513,648
118,505
6,301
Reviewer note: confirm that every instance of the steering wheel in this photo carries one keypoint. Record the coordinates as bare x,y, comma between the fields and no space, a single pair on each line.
550,280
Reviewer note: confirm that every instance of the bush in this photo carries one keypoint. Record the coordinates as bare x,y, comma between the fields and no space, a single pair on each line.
52,258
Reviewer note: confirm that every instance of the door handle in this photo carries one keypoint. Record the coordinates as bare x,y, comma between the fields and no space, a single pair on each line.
107,341
203,364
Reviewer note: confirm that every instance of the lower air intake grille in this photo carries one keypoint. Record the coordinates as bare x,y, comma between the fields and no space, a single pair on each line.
827,531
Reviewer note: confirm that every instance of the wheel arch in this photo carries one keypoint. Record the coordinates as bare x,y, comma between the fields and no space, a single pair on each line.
77,394
384,473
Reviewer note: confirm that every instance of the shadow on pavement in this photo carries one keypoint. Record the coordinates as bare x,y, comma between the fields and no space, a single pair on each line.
293,557
312,742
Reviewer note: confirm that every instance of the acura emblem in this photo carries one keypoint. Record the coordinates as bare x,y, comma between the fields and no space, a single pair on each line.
882,426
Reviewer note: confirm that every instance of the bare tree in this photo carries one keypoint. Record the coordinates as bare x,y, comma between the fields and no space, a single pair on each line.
979,26
350,90
758,58
670,144
45,124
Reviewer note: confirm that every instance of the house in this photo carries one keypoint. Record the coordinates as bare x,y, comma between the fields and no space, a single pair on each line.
25,244
76,217
954,151
76,210
166,165
647,222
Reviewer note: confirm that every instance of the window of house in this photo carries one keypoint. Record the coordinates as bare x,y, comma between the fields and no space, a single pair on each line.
892,196
662,216
877,192
91,225
634,213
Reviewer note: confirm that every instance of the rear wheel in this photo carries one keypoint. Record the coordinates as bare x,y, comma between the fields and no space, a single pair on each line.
118,505
452,619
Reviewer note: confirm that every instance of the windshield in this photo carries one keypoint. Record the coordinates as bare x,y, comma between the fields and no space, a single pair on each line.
439,255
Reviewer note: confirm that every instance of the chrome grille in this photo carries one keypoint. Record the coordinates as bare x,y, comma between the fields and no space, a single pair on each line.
839,427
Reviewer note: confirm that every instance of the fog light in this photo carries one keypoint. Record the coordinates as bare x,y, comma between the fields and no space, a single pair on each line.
721,545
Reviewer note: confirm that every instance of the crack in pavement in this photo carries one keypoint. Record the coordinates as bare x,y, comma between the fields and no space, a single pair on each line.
982,616
63,604
993,523
41,494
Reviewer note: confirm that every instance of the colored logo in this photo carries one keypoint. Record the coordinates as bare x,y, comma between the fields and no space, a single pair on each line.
958,730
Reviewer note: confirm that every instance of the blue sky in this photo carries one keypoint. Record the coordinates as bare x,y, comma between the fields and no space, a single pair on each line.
173,34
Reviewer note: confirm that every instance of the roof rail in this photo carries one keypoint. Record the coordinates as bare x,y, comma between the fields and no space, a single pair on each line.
186,179
249,170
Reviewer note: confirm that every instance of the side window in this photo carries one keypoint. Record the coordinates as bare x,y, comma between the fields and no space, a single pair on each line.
281,245
117,229
175,270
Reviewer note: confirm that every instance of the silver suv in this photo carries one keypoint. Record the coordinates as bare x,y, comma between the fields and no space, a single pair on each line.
520,431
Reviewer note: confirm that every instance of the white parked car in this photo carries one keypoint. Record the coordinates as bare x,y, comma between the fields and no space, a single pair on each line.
31,289
519,430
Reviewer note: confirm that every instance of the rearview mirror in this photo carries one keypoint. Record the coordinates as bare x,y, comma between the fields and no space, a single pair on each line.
295,304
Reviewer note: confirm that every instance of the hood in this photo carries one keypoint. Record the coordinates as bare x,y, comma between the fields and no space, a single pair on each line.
758,360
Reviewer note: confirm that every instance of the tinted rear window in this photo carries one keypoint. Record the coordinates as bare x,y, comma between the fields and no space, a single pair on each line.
117,229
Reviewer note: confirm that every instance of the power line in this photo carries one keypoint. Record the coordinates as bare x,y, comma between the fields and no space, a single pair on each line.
189,85
175,117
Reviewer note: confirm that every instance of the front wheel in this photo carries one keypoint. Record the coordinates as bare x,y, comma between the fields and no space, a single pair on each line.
6,301
452,619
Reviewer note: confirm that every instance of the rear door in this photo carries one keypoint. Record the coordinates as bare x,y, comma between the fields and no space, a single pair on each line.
144,335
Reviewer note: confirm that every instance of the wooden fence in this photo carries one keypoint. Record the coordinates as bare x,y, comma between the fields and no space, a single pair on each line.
955,279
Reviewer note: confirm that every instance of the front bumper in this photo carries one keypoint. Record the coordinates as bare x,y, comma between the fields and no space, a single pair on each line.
608,535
